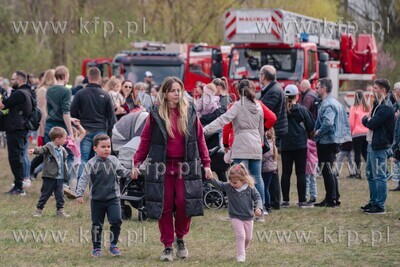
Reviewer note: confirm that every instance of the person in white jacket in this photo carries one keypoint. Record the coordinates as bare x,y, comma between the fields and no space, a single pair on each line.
247,118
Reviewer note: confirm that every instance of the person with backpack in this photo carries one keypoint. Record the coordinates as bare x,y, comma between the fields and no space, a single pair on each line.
19,109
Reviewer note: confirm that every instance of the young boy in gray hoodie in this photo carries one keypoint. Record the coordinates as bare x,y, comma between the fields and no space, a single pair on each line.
101,173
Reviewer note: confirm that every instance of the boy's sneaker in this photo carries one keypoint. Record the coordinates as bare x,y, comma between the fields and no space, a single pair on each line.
16,192
285,204
26,183
114,250
167,254
241,258
305,205
62,213
375,210
38,213
96,252
181,250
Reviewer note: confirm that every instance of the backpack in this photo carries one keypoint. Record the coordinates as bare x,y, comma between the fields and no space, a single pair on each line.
33,120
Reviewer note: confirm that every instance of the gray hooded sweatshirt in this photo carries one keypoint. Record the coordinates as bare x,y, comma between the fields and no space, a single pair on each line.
248,127
101,174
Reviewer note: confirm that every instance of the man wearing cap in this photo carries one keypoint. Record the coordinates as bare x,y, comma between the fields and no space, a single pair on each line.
331,129
148,79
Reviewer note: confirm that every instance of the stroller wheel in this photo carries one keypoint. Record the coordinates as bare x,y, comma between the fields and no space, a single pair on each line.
213,199
142,215
126,212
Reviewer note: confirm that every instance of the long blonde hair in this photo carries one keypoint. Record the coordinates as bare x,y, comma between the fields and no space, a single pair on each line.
48,78
239,172
165,111
359,100
112,83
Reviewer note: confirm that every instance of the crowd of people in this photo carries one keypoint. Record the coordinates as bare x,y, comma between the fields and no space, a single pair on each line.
306,125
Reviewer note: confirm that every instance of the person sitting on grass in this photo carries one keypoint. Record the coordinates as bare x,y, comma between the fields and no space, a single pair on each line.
54,170
244,203
102,171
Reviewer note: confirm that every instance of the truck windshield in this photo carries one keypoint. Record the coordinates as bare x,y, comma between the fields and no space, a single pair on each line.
246,63
135,73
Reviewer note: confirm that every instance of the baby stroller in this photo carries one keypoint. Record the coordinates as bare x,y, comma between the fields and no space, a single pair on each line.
133,191
214,198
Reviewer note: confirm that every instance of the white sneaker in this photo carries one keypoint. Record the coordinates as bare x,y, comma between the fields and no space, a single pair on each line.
265,212
241,258
26,183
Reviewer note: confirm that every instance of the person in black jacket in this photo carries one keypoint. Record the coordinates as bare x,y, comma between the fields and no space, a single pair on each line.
379,137
273,97
294,147
15,126
94,108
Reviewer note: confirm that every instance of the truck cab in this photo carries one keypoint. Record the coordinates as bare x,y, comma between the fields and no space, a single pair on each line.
292,63
133,65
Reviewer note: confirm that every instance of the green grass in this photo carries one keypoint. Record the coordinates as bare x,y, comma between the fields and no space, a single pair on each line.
351,238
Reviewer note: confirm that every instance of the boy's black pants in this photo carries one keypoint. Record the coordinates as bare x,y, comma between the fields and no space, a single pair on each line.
49,186
99,210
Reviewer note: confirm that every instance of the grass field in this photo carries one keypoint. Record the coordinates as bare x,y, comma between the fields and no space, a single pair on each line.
320,237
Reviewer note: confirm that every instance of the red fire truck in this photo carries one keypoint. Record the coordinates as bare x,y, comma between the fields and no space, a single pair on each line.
103,63
192,63
299,47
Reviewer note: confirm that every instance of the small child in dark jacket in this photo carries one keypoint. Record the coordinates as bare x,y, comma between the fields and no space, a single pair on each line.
101,172
54,171
244,203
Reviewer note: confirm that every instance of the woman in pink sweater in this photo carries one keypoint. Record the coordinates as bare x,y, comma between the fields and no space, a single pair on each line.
173,142
358,130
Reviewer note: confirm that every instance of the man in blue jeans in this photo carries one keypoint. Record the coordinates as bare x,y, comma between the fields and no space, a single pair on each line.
331,129
379,137
94,108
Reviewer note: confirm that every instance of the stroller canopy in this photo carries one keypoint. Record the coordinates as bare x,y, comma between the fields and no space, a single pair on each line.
128,127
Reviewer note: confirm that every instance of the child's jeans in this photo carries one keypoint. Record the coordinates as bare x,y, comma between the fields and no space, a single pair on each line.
244,234
311,186
267,177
